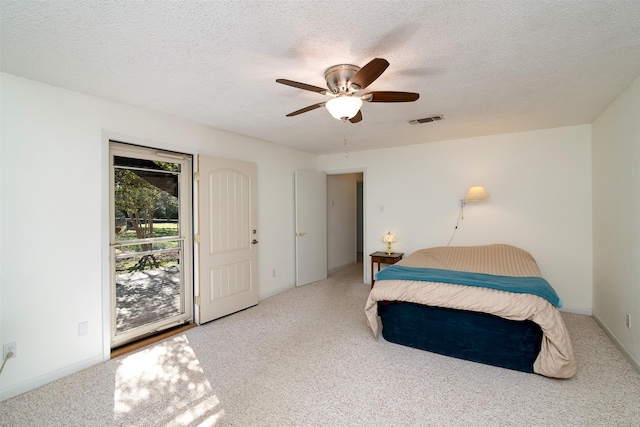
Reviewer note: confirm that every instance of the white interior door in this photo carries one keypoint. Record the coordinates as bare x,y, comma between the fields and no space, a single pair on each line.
311,227
228,237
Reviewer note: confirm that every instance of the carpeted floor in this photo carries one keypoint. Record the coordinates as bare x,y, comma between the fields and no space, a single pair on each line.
305,357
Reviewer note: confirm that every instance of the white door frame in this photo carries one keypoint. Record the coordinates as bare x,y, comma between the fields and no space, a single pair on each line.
106,225
185,179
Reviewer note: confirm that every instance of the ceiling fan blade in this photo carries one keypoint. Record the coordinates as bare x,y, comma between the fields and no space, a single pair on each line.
357,117
304,86
390,96
369,73
305,109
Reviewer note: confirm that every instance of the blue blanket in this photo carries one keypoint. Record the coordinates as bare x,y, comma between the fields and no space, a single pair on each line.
521,285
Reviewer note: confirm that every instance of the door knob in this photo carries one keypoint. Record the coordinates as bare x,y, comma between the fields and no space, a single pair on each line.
300,234
254,241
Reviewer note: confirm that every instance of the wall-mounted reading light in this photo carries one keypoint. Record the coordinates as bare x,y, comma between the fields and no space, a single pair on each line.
473,195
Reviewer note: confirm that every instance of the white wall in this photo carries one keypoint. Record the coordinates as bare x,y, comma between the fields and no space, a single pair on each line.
540,183
54,220
616,220
341,219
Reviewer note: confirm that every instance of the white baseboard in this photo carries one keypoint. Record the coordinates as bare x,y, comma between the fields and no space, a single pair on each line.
276,291
9,392
342,267
634,362
576,310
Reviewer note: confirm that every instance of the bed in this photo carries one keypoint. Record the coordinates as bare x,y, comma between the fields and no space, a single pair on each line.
488,304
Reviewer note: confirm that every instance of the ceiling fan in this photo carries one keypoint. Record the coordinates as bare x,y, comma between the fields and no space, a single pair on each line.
343,83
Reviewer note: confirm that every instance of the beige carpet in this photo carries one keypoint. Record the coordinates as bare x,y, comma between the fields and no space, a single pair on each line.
306,358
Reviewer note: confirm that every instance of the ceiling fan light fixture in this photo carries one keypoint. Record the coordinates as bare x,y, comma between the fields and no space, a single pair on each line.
344,107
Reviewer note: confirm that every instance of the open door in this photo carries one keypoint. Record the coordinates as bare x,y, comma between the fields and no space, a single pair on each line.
311,226
228,252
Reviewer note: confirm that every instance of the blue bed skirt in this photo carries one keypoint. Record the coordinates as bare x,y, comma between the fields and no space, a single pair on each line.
468,335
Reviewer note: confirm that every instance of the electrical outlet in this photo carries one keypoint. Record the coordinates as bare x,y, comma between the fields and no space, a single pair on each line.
11,347
628,321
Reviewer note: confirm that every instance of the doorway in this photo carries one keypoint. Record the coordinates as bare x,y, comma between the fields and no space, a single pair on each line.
345,220
151,231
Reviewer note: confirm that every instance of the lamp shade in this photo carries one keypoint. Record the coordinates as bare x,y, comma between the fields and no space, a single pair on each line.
389,238
476,193
344,107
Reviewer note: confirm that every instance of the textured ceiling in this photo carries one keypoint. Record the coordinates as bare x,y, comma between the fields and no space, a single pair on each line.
488,66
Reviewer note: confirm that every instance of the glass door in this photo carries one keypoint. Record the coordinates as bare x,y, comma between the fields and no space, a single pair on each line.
151,261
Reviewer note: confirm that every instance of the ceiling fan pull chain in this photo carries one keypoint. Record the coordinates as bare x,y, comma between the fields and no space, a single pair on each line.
344,134
346,154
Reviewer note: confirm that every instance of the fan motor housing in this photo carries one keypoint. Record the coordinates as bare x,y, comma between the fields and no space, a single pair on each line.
338,77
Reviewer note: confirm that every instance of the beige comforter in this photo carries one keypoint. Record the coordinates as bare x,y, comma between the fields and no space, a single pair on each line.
556,358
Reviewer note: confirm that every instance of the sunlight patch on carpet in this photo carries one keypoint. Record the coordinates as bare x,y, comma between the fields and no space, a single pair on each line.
164,385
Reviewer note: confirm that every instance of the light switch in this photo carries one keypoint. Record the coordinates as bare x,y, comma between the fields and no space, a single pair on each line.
83,328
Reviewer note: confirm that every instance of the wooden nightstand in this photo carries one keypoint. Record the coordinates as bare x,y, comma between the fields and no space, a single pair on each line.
383,258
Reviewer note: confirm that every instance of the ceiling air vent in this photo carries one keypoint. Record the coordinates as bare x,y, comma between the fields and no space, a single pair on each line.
427,119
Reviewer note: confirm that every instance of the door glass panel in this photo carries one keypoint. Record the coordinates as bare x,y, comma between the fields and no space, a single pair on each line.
146,203
148,284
